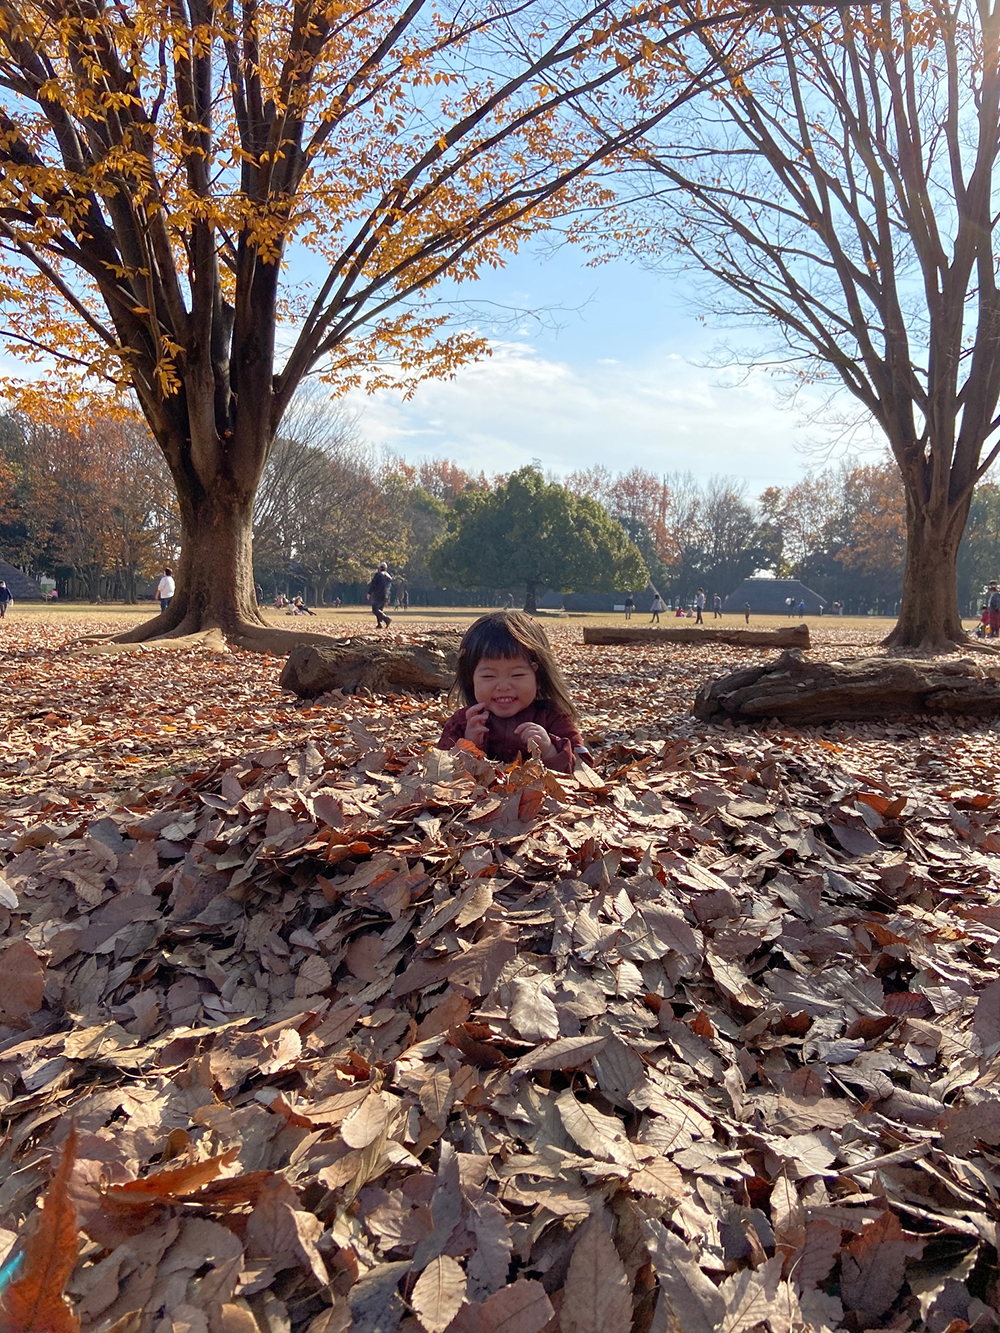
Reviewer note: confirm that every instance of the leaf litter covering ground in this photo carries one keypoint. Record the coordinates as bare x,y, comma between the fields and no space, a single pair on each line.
337,1031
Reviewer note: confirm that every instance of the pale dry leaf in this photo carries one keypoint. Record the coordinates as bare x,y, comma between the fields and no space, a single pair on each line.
603,1136
691,1301
986,1019
567,1053
750,1296
313,976
367,1122
438,1294
284,1052
598,1296
533,1014
522,1307
375,1302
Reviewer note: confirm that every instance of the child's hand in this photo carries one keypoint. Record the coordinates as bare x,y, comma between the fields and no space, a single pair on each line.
477,724
533,735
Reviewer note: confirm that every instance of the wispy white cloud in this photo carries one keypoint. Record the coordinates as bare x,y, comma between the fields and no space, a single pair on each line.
663,414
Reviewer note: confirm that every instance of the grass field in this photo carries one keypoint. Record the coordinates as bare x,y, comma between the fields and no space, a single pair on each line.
355,617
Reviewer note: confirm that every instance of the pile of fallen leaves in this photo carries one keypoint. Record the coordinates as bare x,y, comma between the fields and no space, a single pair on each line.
338,1031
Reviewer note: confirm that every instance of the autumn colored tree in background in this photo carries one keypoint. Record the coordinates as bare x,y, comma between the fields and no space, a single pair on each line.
163,164
92,498
842,531
843,192
687,533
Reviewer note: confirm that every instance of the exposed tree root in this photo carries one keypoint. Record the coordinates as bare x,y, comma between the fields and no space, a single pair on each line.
990,647
941,646
209,640
169,624
184,634
268,639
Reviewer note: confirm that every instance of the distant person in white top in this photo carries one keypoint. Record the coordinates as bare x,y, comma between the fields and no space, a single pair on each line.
699,603
656,607
165,588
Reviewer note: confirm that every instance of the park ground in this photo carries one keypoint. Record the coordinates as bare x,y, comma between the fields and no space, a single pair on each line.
392,1038
111,723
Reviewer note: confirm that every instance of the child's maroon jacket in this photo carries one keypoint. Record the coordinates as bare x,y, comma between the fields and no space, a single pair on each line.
504,746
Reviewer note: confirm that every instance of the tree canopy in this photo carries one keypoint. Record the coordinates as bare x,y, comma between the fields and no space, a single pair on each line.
842,190
535,534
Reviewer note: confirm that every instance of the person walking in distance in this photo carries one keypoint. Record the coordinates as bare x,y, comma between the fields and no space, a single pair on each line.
716,606
699,606
165,588
656,607
746,612
993,606
378,595
6,597
629,606
404,601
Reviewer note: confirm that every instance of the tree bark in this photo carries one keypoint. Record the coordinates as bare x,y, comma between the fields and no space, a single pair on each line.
214,576
363,662
929,618
791,636
806,693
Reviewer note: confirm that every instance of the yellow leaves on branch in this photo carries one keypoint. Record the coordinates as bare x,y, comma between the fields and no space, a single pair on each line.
161,159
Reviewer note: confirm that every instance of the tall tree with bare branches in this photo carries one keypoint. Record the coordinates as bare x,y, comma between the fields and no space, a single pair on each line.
843,191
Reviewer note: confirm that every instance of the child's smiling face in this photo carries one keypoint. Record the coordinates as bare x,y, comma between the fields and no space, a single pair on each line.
505,684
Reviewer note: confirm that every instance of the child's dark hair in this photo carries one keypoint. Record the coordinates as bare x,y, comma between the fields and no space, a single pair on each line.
511,634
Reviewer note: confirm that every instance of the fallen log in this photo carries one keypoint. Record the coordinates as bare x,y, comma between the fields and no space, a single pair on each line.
786,636
384,666
794,690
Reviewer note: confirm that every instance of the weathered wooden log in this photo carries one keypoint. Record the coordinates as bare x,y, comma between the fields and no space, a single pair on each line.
802,692
384,666
786,636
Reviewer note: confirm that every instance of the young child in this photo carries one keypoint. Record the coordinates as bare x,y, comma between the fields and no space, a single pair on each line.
514,693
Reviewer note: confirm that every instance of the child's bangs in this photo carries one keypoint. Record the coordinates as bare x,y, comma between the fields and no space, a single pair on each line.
493,638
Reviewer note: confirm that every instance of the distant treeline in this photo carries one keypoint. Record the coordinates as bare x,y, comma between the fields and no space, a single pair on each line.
93,506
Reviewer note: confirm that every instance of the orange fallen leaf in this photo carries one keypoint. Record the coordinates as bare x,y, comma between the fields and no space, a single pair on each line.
34,1302
165,1186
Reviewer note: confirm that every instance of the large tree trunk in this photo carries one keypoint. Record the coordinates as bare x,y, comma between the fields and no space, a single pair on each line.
929,618
214,576
215,580
531,599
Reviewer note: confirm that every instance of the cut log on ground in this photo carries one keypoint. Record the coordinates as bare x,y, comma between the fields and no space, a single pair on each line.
790,636
794,690
384,666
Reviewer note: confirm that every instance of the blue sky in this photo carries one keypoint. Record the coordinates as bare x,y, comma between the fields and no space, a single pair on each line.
617,381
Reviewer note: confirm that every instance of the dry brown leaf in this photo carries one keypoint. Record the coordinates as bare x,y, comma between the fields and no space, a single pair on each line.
598,1297
874,1265
438,1294
22,980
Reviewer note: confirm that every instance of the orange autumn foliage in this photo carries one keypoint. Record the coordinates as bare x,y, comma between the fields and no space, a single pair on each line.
34,1302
